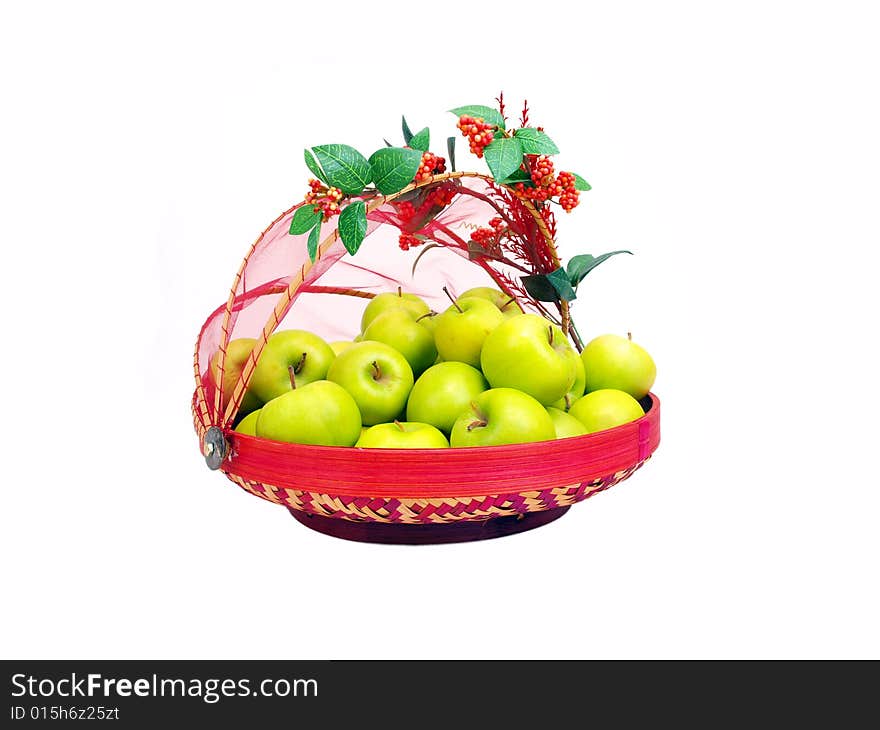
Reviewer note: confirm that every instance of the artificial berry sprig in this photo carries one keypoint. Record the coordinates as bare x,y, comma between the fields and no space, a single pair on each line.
345,181
479,134
413,218
431,165
441,196
570,196
323,199
546,185
542,171
491,234
405,210
409,240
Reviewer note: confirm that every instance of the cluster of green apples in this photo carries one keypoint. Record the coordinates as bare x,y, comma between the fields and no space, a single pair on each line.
482,373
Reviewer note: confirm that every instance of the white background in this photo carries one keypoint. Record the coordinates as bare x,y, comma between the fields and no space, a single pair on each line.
733,147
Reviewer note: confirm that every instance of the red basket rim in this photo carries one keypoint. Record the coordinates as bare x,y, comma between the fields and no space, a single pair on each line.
436,473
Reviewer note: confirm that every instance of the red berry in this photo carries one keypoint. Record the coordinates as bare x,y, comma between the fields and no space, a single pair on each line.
546,186
569,200
440,196
479,133
408,240
491,234
323,200
431,165
567,180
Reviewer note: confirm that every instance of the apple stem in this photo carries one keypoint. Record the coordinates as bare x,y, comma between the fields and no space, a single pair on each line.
567,402
550,330
291,371
480,418
399,425
301,363
429,314
400,292
629,336
452,299
508,303
377,372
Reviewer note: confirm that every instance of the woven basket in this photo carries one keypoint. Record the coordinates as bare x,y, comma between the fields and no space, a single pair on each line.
399,487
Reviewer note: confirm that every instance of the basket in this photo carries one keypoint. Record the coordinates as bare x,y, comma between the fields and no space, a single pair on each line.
395,495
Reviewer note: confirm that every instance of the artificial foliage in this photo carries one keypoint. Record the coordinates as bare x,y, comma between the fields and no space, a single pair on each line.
420,184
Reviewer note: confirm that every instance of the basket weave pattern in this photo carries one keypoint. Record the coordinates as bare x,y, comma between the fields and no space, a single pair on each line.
439,510
430,511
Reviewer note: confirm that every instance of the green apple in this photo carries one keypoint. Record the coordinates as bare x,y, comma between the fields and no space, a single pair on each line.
511,309
402,435
320,413
462,329
531,354
248,424
340,345
377,376
616,362
502,416
290,355
577,388
566,425
389,300
237,353
399,329
507,305
428,321
605,408
443,392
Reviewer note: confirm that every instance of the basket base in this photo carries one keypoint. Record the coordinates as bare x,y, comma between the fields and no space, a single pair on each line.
405,534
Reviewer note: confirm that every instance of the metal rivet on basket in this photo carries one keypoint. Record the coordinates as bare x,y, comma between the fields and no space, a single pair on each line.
214,447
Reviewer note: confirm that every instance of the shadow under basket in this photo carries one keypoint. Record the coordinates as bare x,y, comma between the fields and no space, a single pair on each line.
404,534
432,496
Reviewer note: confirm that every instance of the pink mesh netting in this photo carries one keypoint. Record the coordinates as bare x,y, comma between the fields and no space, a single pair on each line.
277,258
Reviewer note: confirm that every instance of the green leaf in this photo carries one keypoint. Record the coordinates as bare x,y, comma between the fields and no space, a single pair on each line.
518,176
579,266
345,167
486,113
559,280
540,288
394,168
304,219
314,237
503,156
535,142
407,132
353,225
313,165
549,287
421,140
450,148
580,183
